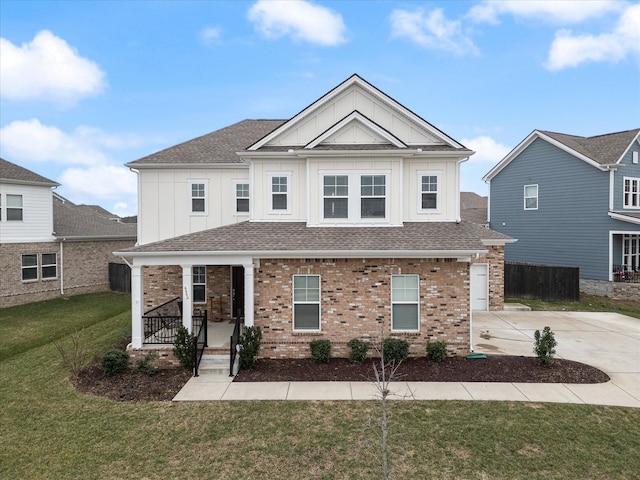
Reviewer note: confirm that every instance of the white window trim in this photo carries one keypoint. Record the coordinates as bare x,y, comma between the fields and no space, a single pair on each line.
294,303
235,198
43,265
417,302
270,176
36,267
537,197
204,182
354,197
193,284
632,180
429,173
633,243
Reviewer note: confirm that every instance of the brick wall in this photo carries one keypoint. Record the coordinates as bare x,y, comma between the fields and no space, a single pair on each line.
85,266
356,303
495,259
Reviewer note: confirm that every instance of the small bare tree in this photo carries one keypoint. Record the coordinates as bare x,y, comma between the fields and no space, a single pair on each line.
75,357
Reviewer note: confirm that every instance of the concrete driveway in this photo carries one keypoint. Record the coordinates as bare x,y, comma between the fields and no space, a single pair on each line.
608,341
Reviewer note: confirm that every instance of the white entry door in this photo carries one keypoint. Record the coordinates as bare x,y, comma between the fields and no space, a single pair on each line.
479,286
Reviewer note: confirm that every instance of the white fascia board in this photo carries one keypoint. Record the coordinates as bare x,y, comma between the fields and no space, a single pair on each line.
96,238
493,242
624,218
185,166
365,122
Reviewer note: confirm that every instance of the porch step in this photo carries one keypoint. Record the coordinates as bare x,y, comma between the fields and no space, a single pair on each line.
216,364
516,307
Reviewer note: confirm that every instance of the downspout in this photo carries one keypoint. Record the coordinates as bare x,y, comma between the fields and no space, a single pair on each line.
61,268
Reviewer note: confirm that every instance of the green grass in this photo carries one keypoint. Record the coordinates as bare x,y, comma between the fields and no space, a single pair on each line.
50,431
587,303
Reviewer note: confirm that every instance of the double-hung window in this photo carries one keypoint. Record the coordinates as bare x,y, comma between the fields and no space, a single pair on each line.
279,193
306,302
336,196
373,196
29,267
631,251
429,191
14,207
49,265
242,198
198,196
631,192
405,302
199,278
531,197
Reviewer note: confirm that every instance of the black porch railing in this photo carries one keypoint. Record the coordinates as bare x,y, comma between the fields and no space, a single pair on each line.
200,329
161,323
625,273
233,345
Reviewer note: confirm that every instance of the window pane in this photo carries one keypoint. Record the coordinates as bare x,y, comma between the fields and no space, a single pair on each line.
199,274
14,214
14,201
242,190
197,205
30,273
531,202
48,259
404,288
306,317
279,201
336,208
429,183
429,200
242,205
197,190
49,272
29,260
372,208
199,294
279,184
405,317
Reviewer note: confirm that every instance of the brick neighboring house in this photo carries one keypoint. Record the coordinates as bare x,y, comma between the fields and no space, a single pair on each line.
50,247
342,222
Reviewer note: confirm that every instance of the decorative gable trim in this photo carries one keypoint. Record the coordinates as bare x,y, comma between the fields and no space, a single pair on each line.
356,117
356,80
636,140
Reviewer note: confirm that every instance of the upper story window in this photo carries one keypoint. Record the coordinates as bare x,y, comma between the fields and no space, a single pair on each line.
429,191
631,192
531,197
242,198
198,196
29,267
14,207
280,193
49,265
354,197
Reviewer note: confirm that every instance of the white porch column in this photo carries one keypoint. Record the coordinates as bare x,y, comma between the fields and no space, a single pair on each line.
248,294
187,301
137,328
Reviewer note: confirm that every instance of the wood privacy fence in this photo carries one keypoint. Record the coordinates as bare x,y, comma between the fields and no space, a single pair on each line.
542,282
119,277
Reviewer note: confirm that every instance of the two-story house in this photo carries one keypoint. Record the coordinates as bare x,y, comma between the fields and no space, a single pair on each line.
573,201
341,222
50,247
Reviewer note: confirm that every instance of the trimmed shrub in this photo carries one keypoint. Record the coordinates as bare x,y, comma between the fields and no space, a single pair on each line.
359,348
144,364
320,351
394,350
436,351
114,362
184,346
249,346
544,346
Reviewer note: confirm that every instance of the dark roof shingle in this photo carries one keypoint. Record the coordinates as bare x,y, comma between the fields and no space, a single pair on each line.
12,173
603,149
78,221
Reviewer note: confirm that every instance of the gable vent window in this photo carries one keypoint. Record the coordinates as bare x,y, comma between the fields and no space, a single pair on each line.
631,192
531,197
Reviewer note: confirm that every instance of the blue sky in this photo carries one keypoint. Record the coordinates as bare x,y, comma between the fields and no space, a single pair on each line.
87,86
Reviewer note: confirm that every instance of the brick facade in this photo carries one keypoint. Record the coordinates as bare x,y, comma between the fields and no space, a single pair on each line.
84,266
495,259
356,303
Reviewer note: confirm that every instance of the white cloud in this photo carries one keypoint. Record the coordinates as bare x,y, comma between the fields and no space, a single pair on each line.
302,20
47,68
486,148
556,11
210,35
105,182
432,30
570,50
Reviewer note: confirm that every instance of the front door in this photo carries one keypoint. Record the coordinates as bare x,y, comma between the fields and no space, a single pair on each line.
237,292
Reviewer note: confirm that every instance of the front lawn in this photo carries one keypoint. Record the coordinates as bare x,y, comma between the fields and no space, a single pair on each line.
51,431
587,303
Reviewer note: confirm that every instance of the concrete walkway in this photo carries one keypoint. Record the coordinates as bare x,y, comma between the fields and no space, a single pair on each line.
608,341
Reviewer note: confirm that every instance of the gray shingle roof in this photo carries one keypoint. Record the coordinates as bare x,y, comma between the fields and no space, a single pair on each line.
78,221
603,149
12,173
473,207
215,147
266,237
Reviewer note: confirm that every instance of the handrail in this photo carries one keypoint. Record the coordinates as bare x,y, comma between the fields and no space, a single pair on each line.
201,340
233,345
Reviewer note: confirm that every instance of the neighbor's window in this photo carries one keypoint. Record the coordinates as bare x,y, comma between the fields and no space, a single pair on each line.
279,193
372,196
631,251
199,284
14,207
49,265
404,302
29,267
198,197
531,197
631,192
429,192
306,302
336,196
242,197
